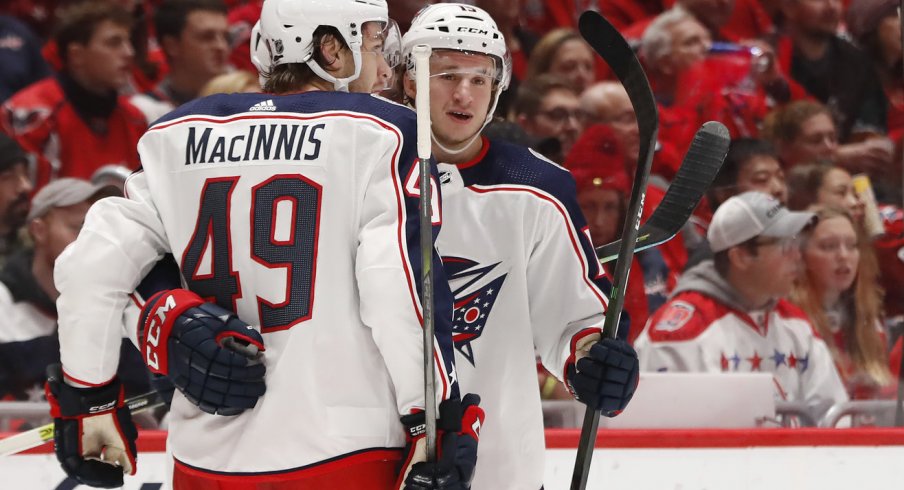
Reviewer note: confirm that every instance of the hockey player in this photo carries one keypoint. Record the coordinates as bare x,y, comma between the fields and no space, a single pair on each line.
517,253
319,183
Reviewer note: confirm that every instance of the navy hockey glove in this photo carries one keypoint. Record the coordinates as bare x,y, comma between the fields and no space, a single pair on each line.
93,434
458,433
606,376
207,352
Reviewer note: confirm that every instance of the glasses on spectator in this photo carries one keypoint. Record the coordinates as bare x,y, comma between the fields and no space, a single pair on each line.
559,115
785,244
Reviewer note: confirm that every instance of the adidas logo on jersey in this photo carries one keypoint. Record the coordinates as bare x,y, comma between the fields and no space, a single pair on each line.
266,105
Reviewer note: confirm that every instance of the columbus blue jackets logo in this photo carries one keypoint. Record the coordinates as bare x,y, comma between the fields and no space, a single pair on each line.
475,288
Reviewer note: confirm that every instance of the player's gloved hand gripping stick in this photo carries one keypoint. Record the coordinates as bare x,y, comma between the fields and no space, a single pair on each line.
458,434
94,435
210,355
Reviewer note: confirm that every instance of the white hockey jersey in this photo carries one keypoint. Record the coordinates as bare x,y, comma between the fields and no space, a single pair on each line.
524,274
299,213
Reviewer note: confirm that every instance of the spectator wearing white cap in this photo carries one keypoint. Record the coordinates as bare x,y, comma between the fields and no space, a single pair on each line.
728,314
28,315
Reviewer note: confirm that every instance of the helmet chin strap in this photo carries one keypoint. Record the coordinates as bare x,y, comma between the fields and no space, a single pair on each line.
339,84
459,150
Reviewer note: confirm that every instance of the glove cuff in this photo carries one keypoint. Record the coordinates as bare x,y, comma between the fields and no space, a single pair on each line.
68,401
415,426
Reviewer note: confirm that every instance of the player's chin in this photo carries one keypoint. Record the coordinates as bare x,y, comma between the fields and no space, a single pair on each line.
462,131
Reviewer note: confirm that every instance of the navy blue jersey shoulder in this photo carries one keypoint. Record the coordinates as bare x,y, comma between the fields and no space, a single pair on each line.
509,164
224,105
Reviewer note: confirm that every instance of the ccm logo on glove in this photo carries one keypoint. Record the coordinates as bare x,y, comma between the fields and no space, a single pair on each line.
158,318
210,355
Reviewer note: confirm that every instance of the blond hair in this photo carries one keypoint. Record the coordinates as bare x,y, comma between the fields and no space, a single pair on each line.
864,344
543,54
228,83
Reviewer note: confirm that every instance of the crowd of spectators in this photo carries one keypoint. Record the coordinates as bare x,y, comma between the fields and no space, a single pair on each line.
779,270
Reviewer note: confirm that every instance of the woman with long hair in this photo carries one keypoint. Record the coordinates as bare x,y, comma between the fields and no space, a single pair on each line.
825,185
840,293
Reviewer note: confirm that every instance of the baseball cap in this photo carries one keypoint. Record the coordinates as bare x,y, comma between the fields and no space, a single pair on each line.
65,192
753,214
10,152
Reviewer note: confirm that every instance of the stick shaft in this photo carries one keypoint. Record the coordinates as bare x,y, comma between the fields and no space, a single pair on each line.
615,50
424,146
899,408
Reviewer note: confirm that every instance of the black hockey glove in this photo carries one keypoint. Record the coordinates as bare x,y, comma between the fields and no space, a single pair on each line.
605,377
207,352
93,434
457,433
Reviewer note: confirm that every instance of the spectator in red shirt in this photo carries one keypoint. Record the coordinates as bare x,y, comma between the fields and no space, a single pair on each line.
674,43
76,122
241,20
748,21
608,103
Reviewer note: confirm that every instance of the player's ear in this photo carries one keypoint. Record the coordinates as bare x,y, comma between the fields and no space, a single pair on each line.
37,229
74,55
409,86
740,257
170,45
524,121
666,66
330,53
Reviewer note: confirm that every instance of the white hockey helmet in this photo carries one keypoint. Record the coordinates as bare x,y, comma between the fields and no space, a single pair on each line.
284,34
460,27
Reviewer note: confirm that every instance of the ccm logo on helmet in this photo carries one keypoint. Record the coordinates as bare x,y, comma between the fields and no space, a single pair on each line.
473,30
153,336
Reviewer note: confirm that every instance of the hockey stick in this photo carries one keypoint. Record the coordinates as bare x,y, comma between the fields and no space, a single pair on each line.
699,168
43,434
421,54
899,407
612,47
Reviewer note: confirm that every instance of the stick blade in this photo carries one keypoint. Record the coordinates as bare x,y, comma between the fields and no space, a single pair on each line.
699,168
